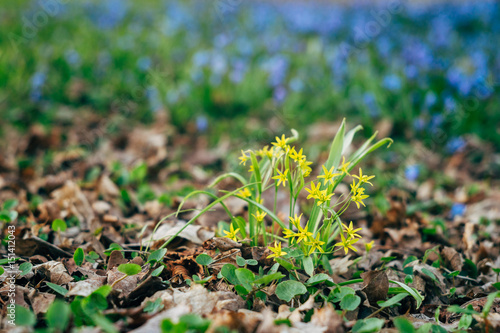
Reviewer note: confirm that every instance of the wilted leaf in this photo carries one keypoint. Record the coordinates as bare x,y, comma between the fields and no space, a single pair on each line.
376,286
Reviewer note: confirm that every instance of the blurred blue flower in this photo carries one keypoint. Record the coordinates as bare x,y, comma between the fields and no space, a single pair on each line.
279,94
455,145
371,104
144,63
457,209
37,82
72,57
392,82
202,123
412,172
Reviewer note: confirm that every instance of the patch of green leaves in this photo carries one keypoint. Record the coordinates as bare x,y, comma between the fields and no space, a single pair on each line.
129,269
287,290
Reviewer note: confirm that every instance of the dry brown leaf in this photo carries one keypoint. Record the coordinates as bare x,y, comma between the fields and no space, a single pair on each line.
452,258
40,302
327,317
376,286
54,271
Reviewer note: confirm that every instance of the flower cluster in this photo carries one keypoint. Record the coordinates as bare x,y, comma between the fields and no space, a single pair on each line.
283,165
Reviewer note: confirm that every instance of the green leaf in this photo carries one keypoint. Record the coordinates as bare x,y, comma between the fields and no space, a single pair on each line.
496,285
204,259
228,271
194,322
269,278
318,278
308,265
113,247
79,256
24,317
337,294
464,322
403,325
350,302
10,204
157,255
412,291
58,316
155,306
252,262
157,271
287,290
368,325
286,264
274,268
392,301
129,269
59,225
240,261
246,277
430,274
2,270
489,302
57,288
457,309
25,268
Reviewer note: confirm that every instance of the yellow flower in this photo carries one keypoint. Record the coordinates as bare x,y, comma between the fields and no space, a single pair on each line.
323,197
303,234
245,193
354,186
328,175
351,231
313,192
277,252
289,233
315,243
260,216
368,246
251,168
359,196
281,142
295,220
347,243
266,152
363,178
344,165
297,156
243,158
281,177
232,233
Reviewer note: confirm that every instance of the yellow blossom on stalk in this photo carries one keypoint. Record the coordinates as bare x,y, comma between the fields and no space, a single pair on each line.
303,234
344,165
359,196
347,243
295,220
289,233
297,156
351,231
368,246
277,252
281,177
232,233
354,186
328,175
363,178
243,158
266,152
251,168
323,197
245,193
281,143
260,216
314,243
313,191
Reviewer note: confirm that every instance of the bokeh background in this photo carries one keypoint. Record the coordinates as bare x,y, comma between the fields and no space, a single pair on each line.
196,81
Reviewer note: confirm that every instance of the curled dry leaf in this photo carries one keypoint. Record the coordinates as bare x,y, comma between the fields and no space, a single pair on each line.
40,302
193,233
73,202
328,318
376,286
452,258
221,243
54,271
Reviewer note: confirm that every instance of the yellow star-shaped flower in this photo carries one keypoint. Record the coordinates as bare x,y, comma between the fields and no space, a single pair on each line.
232,233
281,177
328,175
281,143
277,252
363,178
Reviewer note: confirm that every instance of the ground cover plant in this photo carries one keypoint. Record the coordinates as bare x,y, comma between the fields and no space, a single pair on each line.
188,166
